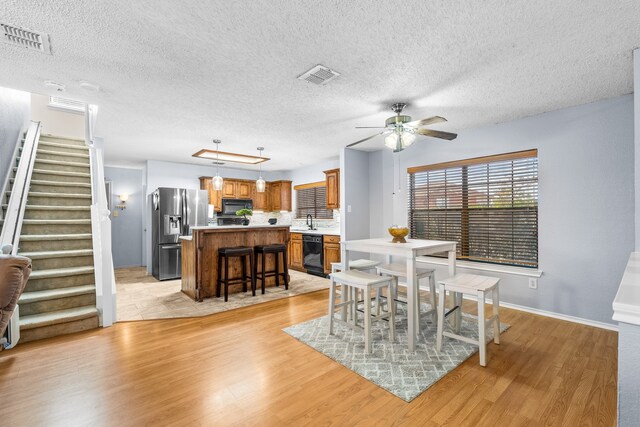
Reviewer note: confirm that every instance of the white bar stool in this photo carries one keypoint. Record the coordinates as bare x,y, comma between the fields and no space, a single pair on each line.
470,284
398,271
358,264
365,282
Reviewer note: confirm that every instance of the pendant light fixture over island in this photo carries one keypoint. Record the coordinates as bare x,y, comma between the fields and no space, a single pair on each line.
217,180
260,183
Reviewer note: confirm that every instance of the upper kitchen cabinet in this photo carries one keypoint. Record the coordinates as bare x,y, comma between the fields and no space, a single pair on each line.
279,195
229,189
260,201
215,197
243,189
332,178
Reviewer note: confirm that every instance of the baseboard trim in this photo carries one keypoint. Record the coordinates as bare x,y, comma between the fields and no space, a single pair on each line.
551,314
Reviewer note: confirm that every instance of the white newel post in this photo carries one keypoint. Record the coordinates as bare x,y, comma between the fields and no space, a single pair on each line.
101,226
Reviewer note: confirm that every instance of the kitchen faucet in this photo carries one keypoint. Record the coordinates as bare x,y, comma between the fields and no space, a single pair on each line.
310,221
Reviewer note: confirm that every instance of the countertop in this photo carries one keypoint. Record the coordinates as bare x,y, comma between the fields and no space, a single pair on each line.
319,231
227,227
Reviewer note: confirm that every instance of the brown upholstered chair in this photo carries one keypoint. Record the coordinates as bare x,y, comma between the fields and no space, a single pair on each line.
14,273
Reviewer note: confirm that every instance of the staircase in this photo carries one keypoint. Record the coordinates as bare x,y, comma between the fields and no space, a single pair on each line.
60,297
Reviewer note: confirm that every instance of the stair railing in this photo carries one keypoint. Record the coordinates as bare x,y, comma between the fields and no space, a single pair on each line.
100,225
18,200
12,226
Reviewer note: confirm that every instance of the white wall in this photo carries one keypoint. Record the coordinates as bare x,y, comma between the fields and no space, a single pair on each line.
15,112
586,199
636,115
56,122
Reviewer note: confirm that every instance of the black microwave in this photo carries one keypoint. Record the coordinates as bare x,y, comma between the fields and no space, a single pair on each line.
230,206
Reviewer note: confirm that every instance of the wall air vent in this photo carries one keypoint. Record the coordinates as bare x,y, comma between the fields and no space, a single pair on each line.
68,105
27,39
319,75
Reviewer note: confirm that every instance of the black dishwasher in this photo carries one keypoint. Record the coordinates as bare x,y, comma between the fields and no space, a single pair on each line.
312,253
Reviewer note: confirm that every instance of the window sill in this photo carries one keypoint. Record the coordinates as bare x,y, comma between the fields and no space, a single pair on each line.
507,269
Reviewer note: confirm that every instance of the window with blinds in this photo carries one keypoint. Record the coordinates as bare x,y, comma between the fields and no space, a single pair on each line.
488,205
312,200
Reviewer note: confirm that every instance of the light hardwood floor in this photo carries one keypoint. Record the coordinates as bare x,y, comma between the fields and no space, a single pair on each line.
239,368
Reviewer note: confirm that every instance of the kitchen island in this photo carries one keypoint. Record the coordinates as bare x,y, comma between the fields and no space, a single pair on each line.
200,254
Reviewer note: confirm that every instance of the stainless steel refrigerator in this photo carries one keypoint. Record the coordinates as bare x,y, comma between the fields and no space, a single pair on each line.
173,212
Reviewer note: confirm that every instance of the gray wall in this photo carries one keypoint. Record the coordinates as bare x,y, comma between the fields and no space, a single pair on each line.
636,117
354,194
628,375
126,228
586,201
15,112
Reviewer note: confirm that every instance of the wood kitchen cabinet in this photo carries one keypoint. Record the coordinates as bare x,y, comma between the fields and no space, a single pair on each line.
215,197
332,179
296,259
279,195
276,197
331,251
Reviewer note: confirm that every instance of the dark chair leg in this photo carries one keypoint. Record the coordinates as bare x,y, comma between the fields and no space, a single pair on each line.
264,267
277,261
286,269
226,279
243,260
253,277
218,281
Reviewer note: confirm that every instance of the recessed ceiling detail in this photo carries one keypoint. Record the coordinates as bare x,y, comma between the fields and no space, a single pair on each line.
223,156
319,75
27,39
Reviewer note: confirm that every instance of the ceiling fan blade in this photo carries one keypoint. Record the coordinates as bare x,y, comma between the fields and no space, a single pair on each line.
371,127
437,134
427,121
363,140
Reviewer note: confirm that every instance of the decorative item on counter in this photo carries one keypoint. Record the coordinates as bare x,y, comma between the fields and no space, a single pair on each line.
398,233
273,221
243,213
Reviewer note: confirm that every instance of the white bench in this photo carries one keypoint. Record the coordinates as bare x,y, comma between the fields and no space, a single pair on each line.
366,282
479,286
398,271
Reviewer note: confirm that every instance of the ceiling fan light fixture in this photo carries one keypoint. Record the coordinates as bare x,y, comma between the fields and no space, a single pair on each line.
391,140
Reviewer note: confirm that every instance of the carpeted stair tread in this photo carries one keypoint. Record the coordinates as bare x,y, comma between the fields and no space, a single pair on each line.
53,145
50,294
60,272
55,317
58,183
57,254
61,163
57,221
64,195
55,208
56,172
36,237
63,154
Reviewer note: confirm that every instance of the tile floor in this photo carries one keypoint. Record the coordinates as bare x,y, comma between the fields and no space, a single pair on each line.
141,297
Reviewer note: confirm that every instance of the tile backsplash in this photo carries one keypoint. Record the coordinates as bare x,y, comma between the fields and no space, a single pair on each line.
287,218
319,223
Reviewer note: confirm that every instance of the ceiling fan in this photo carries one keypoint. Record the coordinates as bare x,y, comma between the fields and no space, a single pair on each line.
401,131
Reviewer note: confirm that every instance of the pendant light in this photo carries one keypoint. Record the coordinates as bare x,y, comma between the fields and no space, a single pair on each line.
217,180
260,183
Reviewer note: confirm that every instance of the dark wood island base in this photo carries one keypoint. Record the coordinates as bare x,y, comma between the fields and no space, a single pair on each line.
200,255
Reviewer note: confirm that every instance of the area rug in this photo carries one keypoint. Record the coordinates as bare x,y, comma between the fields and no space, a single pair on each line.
141,297
390,365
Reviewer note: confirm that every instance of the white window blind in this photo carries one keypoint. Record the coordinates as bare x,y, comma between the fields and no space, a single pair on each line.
312,201
488,205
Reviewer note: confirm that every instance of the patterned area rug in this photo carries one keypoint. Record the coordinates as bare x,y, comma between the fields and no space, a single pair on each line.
390,365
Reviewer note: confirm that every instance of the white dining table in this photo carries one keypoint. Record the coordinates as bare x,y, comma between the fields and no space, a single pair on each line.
410,250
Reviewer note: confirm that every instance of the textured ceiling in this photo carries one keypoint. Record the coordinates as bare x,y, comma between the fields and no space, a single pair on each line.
175,74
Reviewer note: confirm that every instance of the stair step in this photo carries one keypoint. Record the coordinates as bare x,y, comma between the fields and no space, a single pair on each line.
62,139
36,237
57,254
57,195
51,294
60,272
60,173
58,183
61,165
56,317
63,154
57,146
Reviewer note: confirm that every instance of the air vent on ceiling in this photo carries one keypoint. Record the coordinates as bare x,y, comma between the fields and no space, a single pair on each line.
28,39
319,75
65,104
